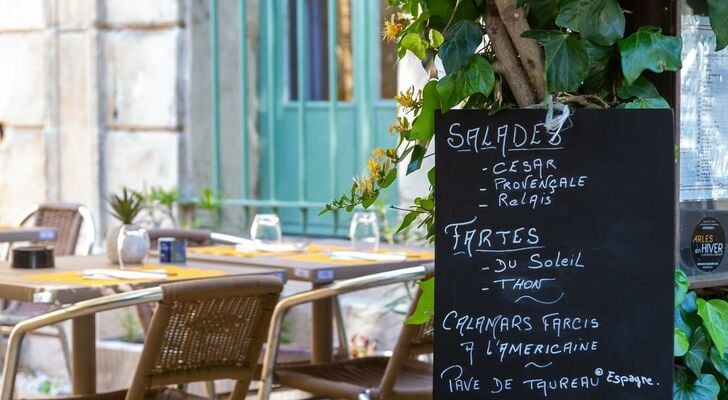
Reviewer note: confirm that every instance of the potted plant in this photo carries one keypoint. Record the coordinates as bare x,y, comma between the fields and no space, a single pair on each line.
578,52
126,207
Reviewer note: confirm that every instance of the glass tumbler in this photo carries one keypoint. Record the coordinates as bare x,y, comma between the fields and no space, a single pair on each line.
364,231
266,228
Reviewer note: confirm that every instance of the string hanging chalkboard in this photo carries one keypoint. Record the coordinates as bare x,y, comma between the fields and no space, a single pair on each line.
554,255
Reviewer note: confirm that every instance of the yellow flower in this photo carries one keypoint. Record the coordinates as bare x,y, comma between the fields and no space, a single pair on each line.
378,152
408,99
392,29
375,168
392,153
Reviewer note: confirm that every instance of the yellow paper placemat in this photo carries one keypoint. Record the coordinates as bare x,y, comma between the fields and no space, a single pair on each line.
224,251
323,258
231,251
174,272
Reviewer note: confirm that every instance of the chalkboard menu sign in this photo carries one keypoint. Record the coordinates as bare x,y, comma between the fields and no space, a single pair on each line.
554,255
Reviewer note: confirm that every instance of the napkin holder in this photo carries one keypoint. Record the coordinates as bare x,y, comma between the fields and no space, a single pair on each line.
32,257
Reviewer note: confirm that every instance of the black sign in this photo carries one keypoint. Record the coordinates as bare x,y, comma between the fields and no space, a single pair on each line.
707,244
555,255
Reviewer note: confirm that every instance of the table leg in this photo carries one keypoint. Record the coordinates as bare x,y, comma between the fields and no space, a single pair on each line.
83,358
322,338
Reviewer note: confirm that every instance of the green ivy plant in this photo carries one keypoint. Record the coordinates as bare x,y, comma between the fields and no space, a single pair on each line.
701,341
575,51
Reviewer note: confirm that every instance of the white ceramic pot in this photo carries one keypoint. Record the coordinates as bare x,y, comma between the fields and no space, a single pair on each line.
136,244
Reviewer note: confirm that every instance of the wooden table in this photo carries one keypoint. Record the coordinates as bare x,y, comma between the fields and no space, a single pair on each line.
319,274
27,234
20,284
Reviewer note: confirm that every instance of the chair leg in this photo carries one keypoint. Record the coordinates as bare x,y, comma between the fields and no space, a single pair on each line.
2,349
66,350
210,389
341,329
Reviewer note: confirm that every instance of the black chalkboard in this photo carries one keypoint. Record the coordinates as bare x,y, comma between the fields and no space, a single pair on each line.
555,254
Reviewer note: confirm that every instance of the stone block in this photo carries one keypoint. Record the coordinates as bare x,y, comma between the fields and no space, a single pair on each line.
22,79
142,11
75,14
74,84
141,78
22,15
22,173
142,159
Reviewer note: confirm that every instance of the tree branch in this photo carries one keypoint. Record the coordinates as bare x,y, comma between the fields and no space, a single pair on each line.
508,65
529,51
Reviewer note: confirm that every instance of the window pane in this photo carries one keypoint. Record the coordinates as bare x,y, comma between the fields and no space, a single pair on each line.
388,58
316,51
343,51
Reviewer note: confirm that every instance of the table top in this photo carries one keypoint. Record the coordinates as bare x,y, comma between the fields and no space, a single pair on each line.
314,265
29,234
64,284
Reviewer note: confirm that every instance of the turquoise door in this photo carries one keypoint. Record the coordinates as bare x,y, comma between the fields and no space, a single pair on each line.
326,89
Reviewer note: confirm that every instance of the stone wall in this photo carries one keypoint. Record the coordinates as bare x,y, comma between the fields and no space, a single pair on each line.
91,99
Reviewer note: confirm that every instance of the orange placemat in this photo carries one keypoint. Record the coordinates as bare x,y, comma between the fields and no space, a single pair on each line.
231,251
323,258
174,272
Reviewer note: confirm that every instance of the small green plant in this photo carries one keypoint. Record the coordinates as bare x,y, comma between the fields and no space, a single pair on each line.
701,341
45,387
210,202
159,204
126,207
131,328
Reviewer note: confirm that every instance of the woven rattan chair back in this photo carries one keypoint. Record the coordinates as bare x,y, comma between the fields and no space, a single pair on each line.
67,220
206,330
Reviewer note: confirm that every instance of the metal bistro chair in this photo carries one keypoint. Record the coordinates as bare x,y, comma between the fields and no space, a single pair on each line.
202,330
70,221
287,355
400,376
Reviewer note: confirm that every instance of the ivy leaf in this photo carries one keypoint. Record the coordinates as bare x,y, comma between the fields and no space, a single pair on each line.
686,317
425,309
418,153
646,97
443,10
542,13
389,179
407,221
600,63
649,49
699,347
599,21
461,41
720,363
436,38
714,314
718,12
423,127
431,176
476,77
658,102
703,388
414,43
567,62
682,343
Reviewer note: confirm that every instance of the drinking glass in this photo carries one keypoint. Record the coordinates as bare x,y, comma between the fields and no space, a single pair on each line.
364,231
132,244
266,228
